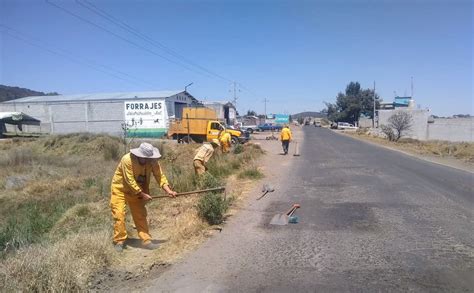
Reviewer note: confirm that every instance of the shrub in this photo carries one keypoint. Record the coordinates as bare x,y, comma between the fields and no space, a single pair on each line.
238,149
212,207
207,180
251,173
180,178
400,122
388,131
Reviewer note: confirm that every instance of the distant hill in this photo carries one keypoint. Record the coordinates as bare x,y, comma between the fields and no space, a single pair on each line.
308,114
8,93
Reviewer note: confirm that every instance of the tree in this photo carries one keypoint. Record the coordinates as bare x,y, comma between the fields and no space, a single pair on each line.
251,113
401,122
351,104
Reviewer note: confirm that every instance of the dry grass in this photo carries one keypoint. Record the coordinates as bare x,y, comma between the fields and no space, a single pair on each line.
460,150
64,266
55,221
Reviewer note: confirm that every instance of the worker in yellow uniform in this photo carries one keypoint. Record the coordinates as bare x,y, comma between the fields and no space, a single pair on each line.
285,137
225,139
130,186
203,154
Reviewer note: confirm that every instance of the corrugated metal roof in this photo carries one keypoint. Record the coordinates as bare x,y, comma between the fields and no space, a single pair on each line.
97,97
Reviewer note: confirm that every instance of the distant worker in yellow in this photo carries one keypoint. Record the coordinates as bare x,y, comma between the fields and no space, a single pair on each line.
131,186
285,137
225,140
203,154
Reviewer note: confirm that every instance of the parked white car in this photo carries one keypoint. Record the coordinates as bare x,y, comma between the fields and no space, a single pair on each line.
249,128
346,126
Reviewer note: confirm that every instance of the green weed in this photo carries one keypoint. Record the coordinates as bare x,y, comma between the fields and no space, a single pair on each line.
251,173
212,207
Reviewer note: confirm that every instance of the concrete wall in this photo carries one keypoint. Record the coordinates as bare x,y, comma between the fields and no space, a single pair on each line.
99,116
451,129
69,117
419,127
365,122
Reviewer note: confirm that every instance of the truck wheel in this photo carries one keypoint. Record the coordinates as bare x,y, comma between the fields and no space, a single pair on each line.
234,140
186,140
250,130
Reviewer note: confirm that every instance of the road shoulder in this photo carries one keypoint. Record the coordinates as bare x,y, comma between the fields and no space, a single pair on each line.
444,161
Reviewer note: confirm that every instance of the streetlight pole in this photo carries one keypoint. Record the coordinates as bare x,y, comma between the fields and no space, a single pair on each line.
186,87
373,118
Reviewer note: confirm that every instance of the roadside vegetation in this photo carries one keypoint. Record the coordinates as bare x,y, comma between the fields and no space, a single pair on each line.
463,151
55,223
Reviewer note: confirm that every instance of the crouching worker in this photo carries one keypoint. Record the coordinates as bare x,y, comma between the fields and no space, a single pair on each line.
203,154
225,140
131,186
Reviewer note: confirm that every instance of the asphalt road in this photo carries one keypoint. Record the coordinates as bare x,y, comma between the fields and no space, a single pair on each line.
372,220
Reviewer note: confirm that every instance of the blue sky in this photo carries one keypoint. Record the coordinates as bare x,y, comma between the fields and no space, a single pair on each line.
297,54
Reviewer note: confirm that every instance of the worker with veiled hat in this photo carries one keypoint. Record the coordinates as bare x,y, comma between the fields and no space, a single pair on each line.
131,186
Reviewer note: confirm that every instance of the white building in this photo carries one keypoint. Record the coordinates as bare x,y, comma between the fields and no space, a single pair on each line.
103,112
225,111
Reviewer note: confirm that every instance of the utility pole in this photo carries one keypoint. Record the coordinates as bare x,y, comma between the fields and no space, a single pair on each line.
265,109
373,118
234,101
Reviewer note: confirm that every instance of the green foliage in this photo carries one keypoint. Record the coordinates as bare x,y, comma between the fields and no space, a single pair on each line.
251,113
212,207
238,149
31,221
207,180
251,173
351,104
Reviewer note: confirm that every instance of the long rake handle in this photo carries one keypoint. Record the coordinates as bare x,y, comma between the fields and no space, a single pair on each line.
193,192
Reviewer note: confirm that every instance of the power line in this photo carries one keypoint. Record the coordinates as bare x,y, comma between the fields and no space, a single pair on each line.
64,54
91,7
117,35
125,26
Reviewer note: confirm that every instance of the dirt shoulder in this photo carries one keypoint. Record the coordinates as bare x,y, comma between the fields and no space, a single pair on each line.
217,251
413,149
136,269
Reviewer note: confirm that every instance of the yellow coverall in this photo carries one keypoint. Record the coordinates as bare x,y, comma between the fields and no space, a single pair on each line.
226,141
285,137
129,180
203,154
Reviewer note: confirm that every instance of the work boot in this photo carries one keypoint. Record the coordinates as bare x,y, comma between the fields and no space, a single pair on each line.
118,247
150,245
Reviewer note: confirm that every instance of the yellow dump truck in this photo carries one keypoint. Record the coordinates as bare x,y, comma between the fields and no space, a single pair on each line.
201,124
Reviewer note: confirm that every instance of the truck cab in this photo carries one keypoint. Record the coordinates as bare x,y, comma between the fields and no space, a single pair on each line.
215,127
